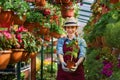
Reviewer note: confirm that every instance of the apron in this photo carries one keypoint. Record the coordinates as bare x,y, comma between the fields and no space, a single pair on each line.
77,75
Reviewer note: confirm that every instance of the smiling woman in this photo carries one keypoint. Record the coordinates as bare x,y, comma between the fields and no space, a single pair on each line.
68,50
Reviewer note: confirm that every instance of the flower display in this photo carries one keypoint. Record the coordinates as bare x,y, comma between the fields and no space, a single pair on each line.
6,40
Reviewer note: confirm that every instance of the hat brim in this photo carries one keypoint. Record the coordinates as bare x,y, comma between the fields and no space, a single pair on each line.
70,24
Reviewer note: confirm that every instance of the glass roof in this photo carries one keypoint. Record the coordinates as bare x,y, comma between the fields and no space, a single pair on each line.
84,11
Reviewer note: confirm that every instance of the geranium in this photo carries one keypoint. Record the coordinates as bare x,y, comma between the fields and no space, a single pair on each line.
6,40
26,40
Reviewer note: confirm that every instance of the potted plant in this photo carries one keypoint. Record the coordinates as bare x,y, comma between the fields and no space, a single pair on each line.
73,53
5,48
20,9
33,20
67,10
56,31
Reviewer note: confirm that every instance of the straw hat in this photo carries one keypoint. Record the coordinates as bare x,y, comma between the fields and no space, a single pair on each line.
70,21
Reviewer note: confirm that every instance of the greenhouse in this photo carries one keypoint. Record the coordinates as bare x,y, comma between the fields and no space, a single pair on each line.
59,40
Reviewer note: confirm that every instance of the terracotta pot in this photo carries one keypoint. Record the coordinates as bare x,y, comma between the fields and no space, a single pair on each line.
70,64
6,18
19,21
31,26
30,0
4,58
25,56
55,34
62,1
114,1
40,2
44,30
66,11
16,55
33,55
47,37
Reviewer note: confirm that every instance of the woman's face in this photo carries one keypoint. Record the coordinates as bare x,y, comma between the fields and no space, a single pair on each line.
71,30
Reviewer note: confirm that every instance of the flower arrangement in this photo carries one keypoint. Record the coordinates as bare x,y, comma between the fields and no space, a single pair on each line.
26,40
6,40
19,39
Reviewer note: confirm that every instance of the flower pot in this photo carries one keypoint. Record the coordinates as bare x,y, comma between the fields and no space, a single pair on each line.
18,20
70,64
40,2
30,0
4,58
62,1
16,55
114,1
25,56
67,11
33,55
6,18
55,34
44,30
31,26
47,38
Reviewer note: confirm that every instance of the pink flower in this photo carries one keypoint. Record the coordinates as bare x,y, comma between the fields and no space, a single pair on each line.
22,29
19,37
7,34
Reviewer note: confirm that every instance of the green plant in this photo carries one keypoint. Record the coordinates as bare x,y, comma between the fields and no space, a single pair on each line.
111,35
6,40
18,6
34,16
56,28
74,49
26,40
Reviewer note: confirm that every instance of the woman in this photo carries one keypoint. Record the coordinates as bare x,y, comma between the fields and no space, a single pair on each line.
77,72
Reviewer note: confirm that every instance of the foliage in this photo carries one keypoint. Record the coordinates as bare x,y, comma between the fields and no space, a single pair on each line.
34,16
74,48
56,28
6,40
100,27
27,41
104,62
111,34
18,6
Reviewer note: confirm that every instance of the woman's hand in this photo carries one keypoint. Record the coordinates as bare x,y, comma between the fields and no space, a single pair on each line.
64,67
74,68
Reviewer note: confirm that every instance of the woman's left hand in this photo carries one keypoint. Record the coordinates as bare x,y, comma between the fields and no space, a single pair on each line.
74,68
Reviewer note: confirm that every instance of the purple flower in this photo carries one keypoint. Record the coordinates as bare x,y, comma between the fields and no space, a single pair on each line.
108,66
107,72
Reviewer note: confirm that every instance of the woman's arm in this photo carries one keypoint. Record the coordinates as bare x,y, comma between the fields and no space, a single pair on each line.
83,46
60,49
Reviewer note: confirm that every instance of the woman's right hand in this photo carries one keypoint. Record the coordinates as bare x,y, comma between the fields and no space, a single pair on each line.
64,67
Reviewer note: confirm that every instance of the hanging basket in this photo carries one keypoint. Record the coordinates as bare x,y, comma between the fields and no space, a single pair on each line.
40,2
4,58
33,55
25,56
62,1
30,0
67,11
47,38
31,26
6,18
44,30
16,55
19,20
55,34
114,1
